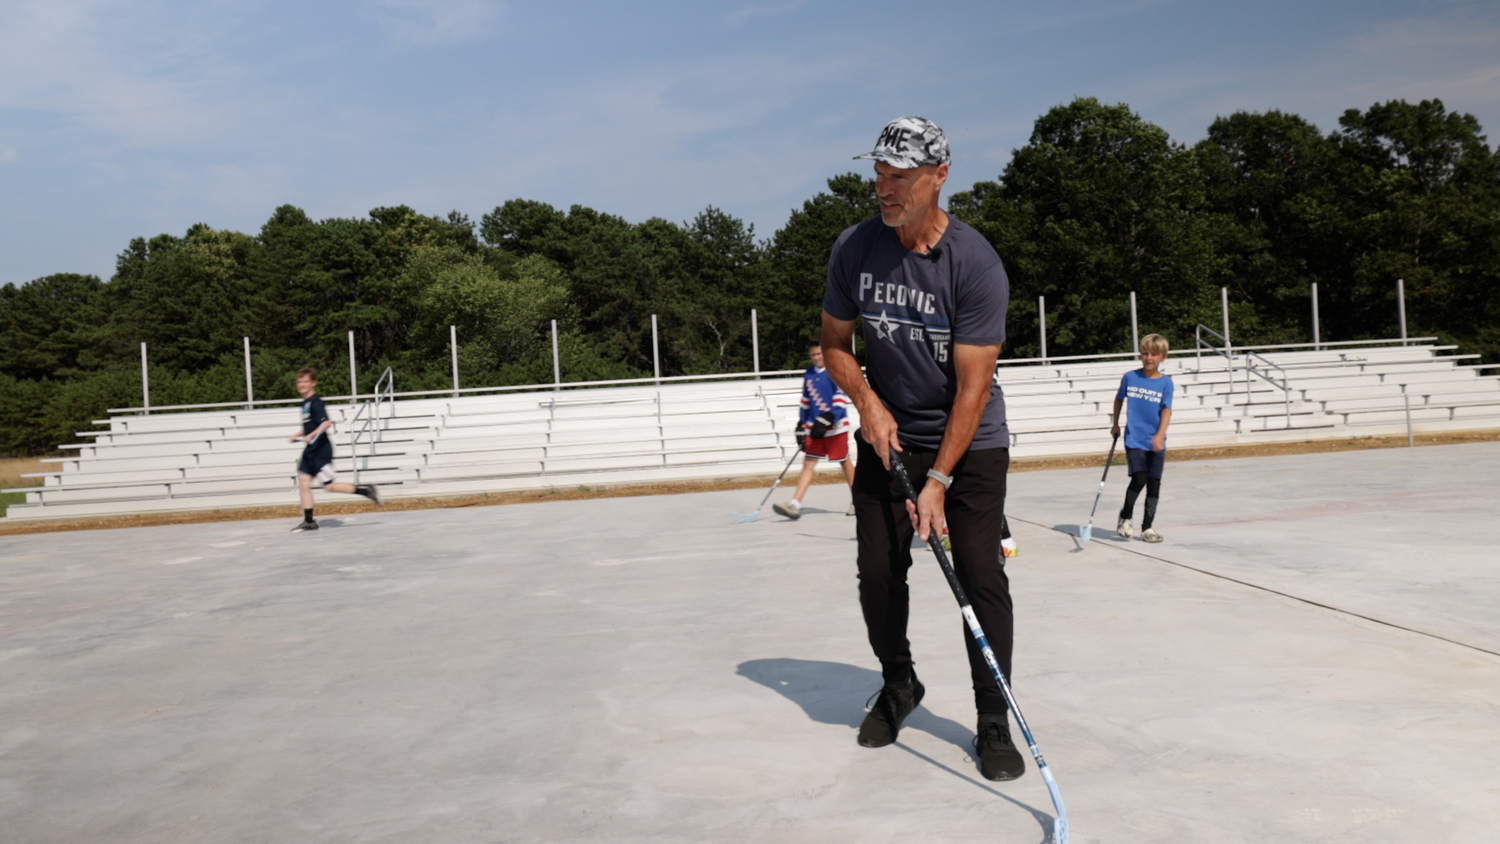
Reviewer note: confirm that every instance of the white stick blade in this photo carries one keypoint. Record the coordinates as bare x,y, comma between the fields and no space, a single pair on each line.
743,518
1086,532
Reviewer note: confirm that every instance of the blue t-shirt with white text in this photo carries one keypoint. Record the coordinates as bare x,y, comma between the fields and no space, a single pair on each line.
1144,399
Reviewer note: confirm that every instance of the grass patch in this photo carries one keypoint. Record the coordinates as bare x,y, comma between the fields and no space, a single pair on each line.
11,470
9,498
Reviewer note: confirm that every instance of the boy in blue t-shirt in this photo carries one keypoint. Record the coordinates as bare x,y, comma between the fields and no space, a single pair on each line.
317,455
1149,393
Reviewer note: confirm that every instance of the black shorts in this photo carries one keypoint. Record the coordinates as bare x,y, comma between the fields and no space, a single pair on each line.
1146,460
317,466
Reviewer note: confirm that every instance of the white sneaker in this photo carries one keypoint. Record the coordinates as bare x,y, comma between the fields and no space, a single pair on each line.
790,510
1125,529
1150,535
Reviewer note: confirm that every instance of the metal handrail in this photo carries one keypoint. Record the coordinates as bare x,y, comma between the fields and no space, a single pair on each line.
715,377
370,412
1250,358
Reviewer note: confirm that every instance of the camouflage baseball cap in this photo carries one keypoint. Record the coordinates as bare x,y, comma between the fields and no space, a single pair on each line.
908,142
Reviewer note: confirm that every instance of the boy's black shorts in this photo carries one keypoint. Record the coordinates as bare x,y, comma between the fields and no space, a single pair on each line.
1146,460
318,467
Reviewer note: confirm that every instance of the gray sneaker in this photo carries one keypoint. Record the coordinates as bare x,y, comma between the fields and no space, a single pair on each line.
1150,535
1125,529
369,491
790,510
307,525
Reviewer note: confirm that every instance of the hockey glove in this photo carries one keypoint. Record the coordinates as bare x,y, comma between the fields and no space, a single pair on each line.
801,438
821,423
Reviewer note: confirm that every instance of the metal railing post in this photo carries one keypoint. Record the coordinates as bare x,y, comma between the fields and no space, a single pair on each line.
145,383
556,361
1411,441
655,351
1401,306
353,379
249,382
1224,310
1317,340
1135,332
453,345
1041,312
755,343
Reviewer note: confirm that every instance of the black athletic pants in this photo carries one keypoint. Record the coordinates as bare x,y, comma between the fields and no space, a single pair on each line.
975,509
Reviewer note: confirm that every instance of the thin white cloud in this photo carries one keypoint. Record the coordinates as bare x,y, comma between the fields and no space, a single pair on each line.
766,10
1069,15
435,23
1452,55
133,74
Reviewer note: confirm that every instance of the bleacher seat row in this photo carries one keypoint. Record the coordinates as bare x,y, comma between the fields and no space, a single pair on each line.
612,435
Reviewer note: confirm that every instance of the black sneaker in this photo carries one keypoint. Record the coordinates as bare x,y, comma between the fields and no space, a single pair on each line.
370,492
893,703
309,524
999,760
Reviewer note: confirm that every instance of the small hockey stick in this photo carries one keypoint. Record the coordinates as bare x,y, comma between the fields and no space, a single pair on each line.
1087,531
1060,823
742,518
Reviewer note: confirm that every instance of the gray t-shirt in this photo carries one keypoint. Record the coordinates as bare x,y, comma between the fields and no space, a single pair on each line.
915,307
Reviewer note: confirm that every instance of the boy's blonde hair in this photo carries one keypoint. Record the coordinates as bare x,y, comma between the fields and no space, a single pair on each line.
1154,344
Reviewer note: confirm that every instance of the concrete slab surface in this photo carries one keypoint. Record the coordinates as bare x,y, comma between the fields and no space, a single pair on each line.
642,669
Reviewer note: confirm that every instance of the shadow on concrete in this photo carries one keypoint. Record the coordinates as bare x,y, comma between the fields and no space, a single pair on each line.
339,523
828,693
1043,819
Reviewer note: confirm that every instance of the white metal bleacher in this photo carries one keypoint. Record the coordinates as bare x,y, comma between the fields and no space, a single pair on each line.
633,434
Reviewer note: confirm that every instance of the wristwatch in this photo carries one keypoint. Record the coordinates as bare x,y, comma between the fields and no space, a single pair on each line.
945,480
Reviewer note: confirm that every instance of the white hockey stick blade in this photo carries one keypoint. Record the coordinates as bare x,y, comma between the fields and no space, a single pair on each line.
744,518
1086,532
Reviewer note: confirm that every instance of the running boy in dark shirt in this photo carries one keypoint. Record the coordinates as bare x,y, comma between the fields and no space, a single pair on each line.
1149,393
317,455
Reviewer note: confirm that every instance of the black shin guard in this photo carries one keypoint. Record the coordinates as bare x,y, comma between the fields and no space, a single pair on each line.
1137,483
1153,492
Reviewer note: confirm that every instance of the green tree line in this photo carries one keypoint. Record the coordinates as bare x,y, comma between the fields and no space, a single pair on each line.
1098,203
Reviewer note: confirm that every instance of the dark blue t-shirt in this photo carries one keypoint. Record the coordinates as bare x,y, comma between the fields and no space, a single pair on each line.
313,415
1144,398
915,308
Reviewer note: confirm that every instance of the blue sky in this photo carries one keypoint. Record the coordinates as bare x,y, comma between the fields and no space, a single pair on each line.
124,119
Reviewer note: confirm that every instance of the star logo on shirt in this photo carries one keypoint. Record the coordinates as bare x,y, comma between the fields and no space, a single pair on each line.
884,330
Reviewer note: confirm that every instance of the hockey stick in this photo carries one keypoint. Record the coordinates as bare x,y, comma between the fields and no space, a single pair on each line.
1060,824
742,518
1087,531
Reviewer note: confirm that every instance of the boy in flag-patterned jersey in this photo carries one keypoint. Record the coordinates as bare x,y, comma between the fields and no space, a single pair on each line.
822,429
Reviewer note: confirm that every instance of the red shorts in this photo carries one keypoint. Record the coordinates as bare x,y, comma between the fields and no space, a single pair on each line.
833,448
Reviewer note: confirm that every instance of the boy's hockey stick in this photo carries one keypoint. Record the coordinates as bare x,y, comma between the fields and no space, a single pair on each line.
1087,531
1060,824
742,518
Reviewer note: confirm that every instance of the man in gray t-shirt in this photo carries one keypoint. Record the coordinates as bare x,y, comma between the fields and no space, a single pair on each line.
933,295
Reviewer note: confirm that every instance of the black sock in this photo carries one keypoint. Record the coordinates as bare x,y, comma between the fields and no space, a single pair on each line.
307,514
901,673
